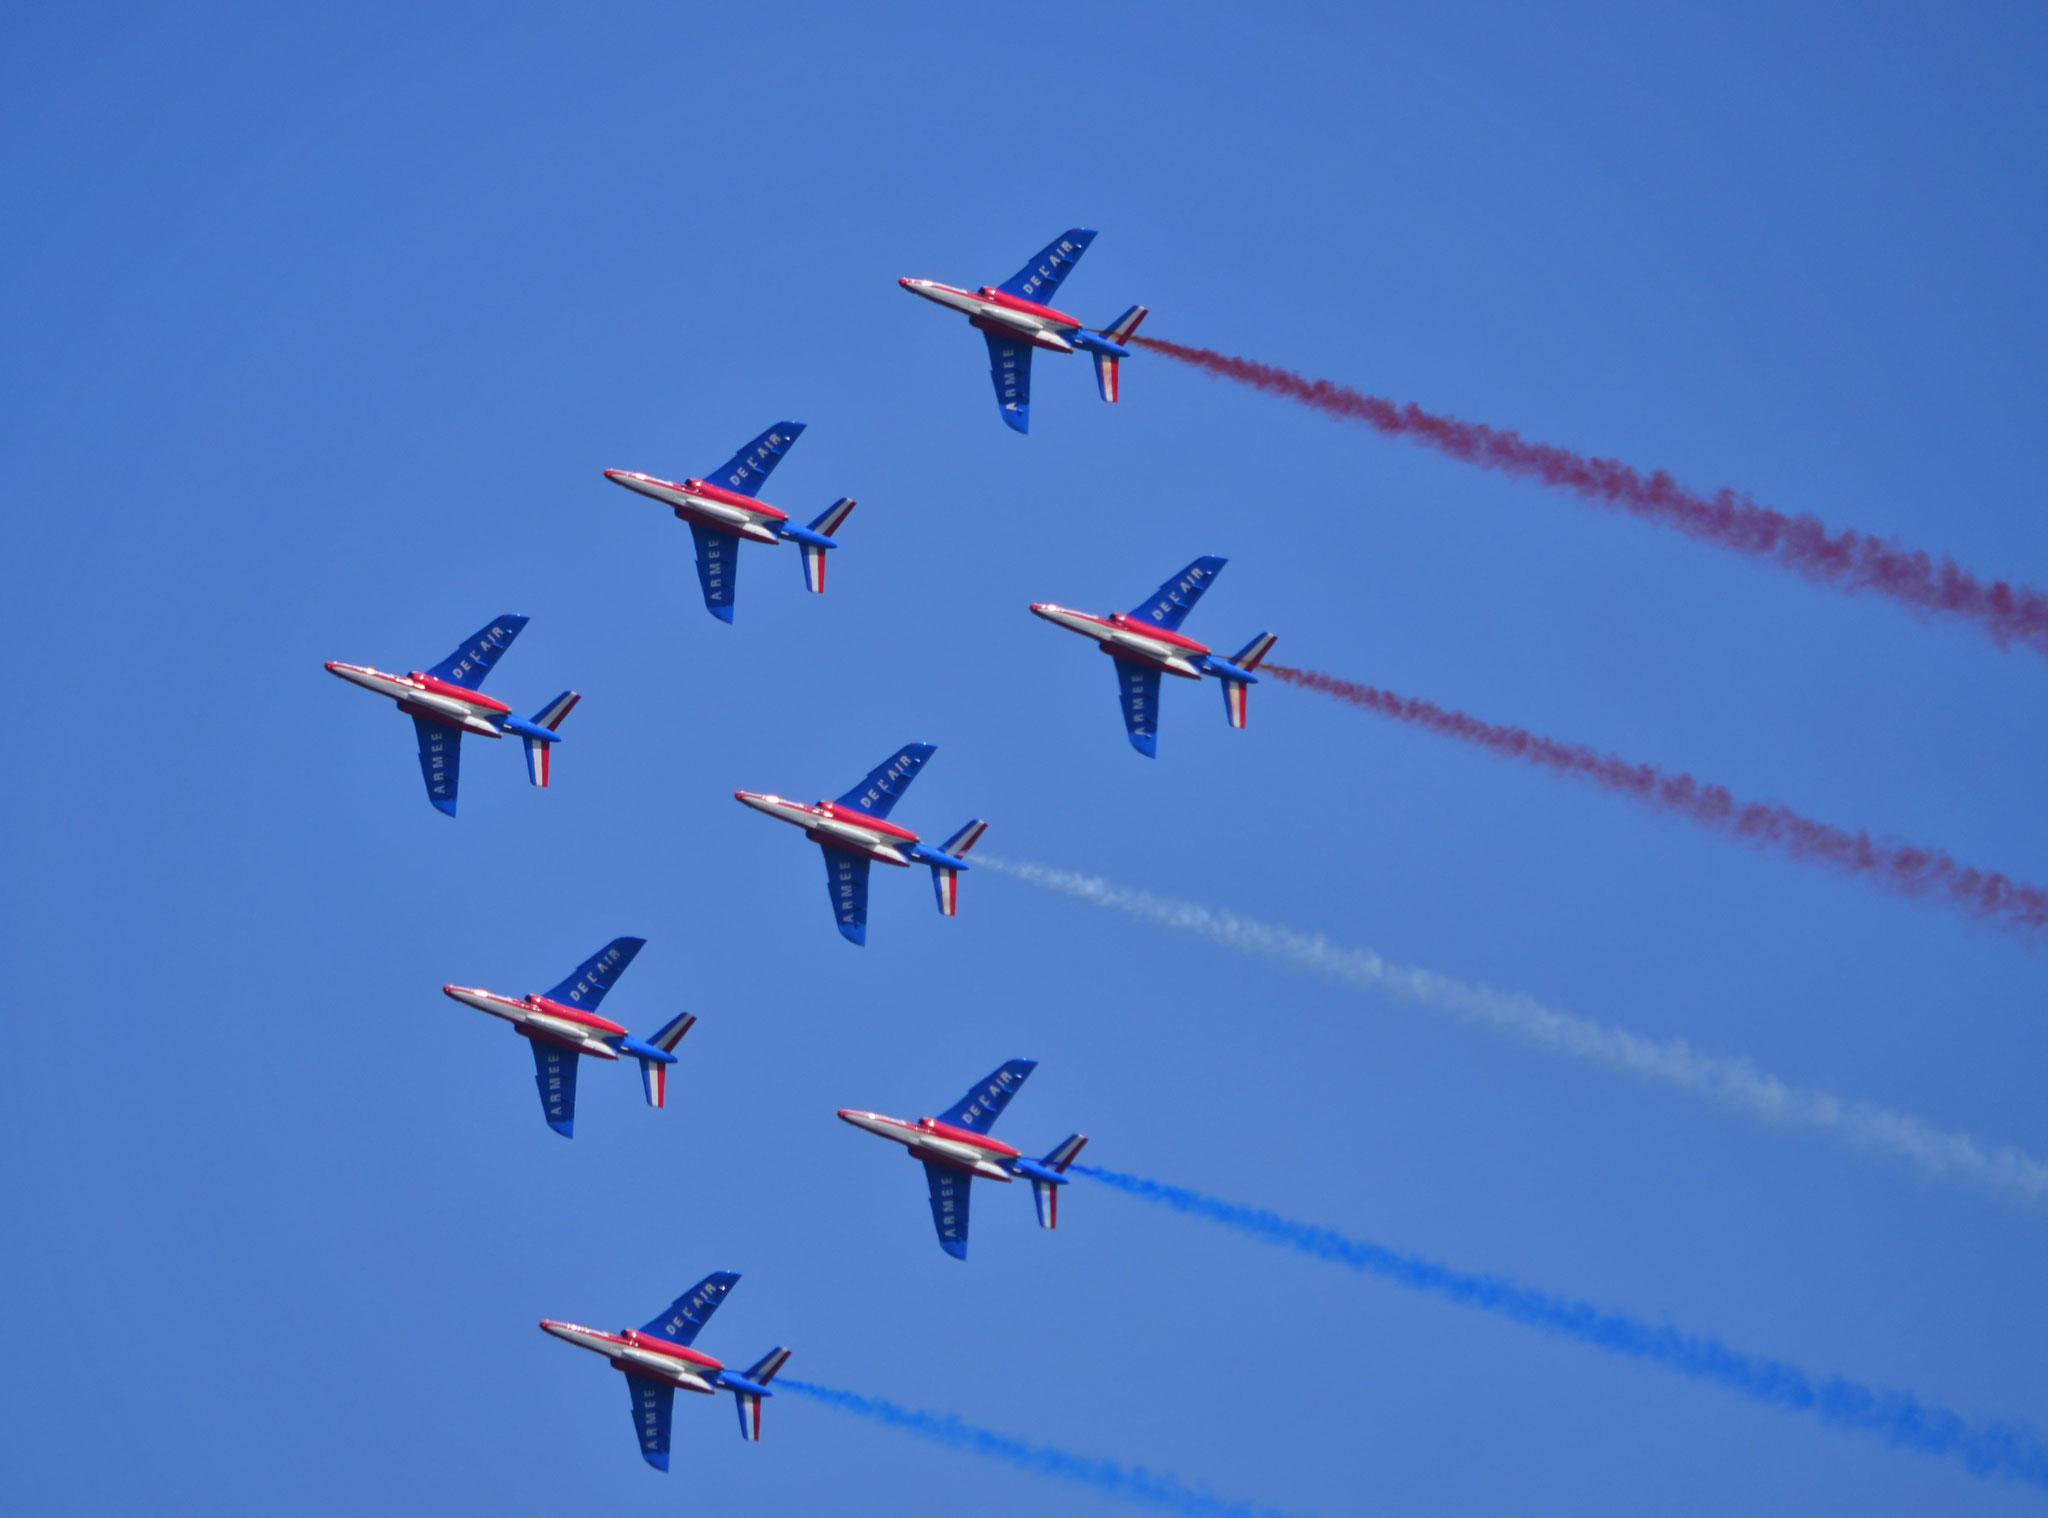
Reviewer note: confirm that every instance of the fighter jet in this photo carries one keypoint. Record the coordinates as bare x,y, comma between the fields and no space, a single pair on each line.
658,1361
563,1023
1013,320
1146,643
955,1148
854,832
444,703
721,510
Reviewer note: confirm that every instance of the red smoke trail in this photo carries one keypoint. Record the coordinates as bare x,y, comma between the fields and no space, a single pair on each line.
1990,897
1847,560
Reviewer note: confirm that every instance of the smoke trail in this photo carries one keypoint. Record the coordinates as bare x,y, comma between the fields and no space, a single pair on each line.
1735,1083
1898,1418
1984,894
1848,561
1131,1483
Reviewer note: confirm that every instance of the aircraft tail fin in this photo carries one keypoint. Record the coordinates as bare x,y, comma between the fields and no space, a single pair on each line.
1106,377
538,749
759,1374
946,877
1118,332
1237,693
654,1072
827,523
1045,1192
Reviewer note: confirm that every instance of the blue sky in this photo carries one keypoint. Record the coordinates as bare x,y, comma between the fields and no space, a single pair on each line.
320,327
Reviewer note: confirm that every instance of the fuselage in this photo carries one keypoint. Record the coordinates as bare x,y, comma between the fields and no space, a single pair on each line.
707,504
995,310
837,827
643,1354
422,695
942,1143
538,1017
1131,638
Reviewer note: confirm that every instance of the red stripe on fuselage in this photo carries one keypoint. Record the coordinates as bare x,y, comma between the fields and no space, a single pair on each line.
938,1129
1154,630
571,1015
639,1340
858,818
725,497
458,692
1011,302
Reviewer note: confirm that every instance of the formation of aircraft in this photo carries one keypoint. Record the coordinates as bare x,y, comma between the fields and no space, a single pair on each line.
562,1025
658,1362
445,702
723,509
1015,320
1146,642
854,832
955,1148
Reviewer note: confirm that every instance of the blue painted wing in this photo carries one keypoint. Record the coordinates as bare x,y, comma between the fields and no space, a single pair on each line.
586,985
468,665
883,786
654,1403
718,563
949,1206
440,761
978,1110
846,877
688,1313
1137,686
1169,605
1038,279
554,1072
1009,365
745,470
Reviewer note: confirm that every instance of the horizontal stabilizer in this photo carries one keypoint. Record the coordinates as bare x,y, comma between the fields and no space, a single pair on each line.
1253,654
1120,330
654,1072
946,884
965,839
829,520
1046,1193
749,1402
1236,698
538,749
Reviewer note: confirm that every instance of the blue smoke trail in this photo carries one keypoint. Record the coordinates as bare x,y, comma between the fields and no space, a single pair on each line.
1132,1483
1898,1418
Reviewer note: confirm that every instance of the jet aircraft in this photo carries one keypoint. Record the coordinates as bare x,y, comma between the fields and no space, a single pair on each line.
563,1023
955,1148
658,1360
1146,642
722,509
854,832
444,703
1014,320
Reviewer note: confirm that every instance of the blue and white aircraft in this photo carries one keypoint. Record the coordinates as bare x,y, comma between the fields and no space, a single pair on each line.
444,703
1146,642
1014,320
854,832
955,1148
658,1362
722,510
563,1023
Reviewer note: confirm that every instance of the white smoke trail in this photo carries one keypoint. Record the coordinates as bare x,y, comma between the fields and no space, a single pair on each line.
1735,1083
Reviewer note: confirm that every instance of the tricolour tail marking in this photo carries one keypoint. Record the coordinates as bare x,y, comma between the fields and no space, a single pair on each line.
1107,380
653,1072
1120,330
1046,1194
748,1403
1898,1418
1135,1484
1848,560
946,878
813,554
1986,895
539,751
1736,1083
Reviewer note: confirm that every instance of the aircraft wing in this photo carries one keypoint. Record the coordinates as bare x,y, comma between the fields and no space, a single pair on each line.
1009,365
584,987
1137,686
718,562
1038,279
949,1206
883,786
846,877
440,761
468,665
978,1110
745,470
554,1071
686,1316
1169,605
654,1404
